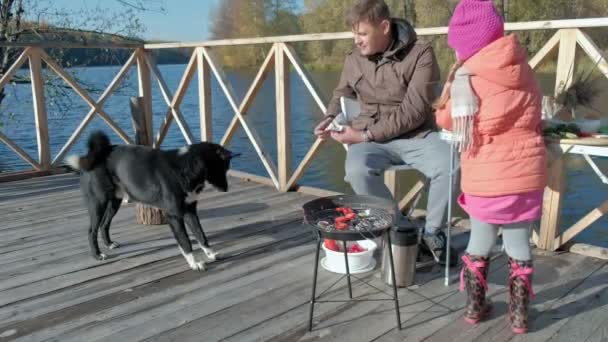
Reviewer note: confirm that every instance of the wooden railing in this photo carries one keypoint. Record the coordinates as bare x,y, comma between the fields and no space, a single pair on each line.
281,56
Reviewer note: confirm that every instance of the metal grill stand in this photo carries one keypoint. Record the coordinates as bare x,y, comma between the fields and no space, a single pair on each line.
312,209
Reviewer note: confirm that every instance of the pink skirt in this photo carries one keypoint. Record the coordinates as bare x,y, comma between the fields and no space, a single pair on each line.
506,209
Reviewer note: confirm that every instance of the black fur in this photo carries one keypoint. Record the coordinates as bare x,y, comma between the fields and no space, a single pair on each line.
163,179
99,149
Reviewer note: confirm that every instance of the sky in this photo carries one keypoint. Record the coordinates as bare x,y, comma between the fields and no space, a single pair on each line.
183,20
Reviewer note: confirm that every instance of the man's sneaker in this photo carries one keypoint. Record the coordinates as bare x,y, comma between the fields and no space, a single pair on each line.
424,258
436,244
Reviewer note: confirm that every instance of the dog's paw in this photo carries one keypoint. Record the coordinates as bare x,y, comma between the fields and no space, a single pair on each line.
101,256
195,265
210,253
199,266
114,245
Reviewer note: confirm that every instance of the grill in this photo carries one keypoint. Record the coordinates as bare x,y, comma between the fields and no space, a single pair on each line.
373,217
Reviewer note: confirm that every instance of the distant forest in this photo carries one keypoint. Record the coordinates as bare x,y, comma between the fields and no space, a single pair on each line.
257,18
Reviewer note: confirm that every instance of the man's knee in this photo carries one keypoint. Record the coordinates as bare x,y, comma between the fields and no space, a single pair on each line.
360,165
438,163
358,168
437,167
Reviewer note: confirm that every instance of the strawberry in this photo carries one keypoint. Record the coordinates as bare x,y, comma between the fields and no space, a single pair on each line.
344,210
332,245
356,248
341,219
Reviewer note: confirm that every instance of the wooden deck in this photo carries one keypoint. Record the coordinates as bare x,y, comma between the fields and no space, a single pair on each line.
51,289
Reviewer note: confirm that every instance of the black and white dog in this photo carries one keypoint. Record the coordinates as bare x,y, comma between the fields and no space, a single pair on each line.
170,180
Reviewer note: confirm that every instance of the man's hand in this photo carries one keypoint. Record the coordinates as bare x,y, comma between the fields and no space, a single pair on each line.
348,136
320,129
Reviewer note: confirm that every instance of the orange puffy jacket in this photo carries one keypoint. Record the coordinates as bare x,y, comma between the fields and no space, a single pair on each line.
508,156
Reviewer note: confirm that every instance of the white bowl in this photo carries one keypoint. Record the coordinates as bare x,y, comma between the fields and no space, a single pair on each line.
588,126
357,262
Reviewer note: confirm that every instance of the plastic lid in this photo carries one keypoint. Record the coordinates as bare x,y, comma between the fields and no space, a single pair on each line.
404,237
405,224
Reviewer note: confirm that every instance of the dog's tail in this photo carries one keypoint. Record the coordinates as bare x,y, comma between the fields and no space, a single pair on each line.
99,150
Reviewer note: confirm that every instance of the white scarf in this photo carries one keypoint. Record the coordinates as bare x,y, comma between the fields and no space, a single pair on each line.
464,107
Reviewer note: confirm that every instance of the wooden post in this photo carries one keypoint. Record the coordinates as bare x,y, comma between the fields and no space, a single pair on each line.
282,87
566,60
144,214
549,224
148,215
391,182
552,203
145,92
139,119
42,129
204,95
253,136
297,64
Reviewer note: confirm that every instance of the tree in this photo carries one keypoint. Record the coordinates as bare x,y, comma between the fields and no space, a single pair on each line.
239,19
409,11
503,7
281,18
42,20
252,18
326,16
11,14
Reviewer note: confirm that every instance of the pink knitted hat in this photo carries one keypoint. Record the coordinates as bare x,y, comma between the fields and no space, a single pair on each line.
474,25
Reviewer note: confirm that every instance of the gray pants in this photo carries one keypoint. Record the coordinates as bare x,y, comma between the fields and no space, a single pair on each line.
516,237
366,162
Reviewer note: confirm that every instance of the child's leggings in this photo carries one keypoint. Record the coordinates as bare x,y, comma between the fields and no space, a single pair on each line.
516,238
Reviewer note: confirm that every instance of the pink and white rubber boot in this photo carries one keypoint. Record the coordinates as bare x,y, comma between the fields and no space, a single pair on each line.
520,293
473,276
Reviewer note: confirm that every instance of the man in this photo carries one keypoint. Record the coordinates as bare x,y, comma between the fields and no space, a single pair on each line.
394,77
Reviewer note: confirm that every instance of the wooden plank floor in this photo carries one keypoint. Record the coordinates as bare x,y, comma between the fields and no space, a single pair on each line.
51,289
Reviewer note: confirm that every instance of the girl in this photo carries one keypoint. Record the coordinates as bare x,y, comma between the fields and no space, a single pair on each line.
492,102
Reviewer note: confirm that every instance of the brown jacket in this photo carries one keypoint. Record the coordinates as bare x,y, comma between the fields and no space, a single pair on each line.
395,88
